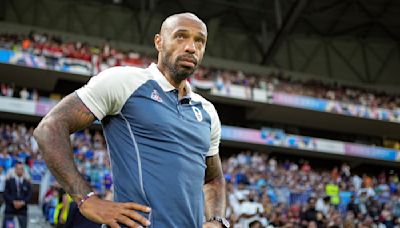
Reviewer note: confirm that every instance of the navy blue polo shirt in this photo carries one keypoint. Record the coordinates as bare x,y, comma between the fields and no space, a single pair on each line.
157,141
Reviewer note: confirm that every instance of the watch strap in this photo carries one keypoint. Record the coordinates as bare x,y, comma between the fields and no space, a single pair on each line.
221,220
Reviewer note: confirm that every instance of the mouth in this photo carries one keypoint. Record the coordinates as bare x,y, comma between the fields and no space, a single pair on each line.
188,62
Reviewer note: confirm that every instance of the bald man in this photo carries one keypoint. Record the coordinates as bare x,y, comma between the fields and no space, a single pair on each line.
162,138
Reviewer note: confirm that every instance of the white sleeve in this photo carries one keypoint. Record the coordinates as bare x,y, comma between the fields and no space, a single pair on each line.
106,93
215,133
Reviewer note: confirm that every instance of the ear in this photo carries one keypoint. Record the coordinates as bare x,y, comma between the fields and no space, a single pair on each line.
158,42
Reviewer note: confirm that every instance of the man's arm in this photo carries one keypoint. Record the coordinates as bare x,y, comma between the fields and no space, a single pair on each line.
214,188
52,135
8,198
29,193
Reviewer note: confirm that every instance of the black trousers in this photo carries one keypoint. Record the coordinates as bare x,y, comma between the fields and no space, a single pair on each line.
22,220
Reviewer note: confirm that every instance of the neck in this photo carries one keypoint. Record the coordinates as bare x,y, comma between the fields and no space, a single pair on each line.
168,75
180,86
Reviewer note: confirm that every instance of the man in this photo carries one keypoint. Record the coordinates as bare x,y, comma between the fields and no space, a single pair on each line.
163,139
17,193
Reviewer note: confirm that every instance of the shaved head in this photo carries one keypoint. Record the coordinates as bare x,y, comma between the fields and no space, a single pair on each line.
172,21
180,44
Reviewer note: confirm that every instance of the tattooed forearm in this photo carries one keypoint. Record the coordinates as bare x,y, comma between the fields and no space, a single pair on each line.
52,135
214,188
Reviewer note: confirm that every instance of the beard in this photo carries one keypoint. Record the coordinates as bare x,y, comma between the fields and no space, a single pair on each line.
179,72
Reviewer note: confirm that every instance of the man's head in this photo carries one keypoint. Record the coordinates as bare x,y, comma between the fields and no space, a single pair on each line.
180,44
19,169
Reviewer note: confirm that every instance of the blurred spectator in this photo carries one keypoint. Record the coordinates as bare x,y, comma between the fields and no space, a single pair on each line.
94,59
2,184
261,190
323,205
17,193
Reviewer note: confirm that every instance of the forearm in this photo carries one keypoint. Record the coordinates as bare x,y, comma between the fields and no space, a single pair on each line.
7,195
28,196
55,146
215,199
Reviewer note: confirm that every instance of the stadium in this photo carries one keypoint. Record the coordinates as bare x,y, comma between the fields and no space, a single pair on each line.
306,91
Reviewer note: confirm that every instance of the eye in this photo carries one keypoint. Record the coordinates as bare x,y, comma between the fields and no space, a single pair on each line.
200,41
180,36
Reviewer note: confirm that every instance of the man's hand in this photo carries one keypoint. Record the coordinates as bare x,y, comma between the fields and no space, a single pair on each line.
212,224
112,213
18,204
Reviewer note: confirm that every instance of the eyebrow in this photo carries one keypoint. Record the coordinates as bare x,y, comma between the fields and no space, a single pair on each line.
185,30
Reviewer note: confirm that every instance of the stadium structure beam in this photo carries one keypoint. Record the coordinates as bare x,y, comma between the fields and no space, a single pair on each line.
143,16
313,27
79,17
348,63
287,25
330,5
334,24
389,55
3,5
18,14
36,11
250,34
240,5
289,53
365,61
144,22
327,58
311,56
351,29
376,18
213,26
378,23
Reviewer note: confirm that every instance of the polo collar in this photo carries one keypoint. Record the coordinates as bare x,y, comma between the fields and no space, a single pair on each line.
163,82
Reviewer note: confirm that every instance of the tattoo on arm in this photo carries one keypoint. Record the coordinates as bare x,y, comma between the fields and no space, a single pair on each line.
52,135
214,188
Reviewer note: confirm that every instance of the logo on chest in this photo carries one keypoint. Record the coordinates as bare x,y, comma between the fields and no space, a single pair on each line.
155,96
197,114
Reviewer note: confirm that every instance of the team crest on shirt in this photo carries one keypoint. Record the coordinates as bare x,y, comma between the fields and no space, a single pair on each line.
155,96
197,114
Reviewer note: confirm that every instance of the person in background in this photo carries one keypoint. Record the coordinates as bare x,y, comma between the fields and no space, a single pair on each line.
2,184
17,193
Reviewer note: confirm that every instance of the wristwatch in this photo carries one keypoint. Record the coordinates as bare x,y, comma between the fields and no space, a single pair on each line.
221,220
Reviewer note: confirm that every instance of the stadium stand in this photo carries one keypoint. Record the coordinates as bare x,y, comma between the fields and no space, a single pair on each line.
260,188
99,58
285,140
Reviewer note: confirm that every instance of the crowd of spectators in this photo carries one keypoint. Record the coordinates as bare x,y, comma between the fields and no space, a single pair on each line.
261,190
18,145
101,57
10,90
264,192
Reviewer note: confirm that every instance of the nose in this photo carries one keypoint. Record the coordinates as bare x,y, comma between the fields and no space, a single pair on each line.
190,47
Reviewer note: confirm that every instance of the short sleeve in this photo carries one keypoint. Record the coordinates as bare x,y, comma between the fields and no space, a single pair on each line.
106,93
215,133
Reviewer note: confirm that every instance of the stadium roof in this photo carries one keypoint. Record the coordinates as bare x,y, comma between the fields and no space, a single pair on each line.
349,40
328,18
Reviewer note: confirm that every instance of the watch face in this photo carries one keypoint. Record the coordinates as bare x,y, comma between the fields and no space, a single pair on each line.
225,222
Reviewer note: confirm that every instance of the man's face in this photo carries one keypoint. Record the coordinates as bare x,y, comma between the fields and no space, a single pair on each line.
19,170
181,46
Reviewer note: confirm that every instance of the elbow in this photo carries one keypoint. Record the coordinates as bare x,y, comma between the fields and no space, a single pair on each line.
39,132
43,133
